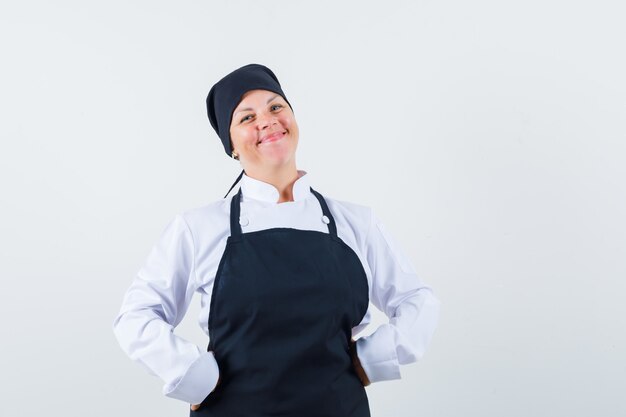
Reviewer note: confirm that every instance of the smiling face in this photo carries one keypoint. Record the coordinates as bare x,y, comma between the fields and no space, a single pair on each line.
264,131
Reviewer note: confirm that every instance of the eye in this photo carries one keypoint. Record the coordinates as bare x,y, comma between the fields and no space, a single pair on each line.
245,118
280,106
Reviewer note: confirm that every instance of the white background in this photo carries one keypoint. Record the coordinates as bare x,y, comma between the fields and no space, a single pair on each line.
489,136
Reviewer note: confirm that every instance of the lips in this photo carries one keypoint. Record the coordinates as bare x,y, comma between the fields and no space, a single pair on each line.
272,137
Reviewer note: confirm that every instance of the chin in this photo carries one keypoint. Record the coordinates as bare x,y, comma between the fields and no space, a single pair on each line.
278,158
277,153
277,161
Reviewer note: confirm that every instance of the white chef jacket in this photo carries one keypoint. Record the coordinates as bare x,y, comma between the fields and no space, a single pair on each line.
185,260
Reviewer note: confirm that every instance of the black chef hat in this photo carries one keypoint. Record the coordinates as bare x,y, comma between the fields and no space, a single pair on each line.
226,94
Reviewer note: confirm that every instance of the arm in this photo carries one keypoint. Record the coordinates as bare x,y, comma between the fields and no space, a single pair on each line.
154,305
411,306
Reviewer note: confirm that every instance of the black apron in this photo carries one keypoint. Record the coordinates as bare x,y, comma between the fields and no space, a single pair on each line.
283,306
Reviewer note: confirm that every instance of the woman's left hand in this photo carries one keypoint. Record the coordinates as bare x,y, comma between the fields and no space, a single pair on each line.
357,364
195,407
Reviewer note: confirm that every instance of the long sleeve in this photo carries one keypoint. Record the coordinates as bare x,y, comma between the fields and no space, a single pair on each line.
154,305
410,305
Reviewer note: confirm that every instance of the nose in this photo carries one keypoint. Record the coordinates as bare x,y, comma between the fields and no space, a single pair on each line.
266,120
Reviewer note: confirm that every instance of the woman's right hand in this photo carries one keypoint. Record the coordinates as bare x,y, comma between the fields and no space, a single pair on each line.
195,407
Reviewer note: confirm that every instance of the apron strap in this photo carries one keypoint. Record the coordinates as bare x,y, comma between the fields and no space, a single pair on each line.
236,181
235,209
235,212
332,227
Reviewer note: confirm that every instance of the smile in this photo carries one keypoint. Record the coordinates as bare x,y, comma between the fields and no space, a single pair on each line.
272,138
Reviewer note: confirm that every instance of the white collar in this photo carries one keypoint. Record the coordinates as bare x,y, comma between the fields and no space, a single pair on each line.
260,190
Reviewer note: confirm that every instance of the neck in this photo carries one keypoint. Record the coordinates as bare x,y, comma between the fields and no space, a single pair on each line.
282,178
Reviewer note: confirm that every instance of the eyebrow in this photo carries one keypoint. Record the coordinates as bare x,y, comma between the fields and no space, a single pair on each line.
248,109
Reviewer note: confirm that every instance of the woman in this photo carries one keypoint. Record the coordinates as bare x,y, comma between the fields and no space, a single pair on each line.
285,276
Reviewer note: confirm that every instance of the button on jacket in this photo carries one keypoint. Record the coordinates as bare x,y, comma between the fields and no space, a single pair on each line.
185,260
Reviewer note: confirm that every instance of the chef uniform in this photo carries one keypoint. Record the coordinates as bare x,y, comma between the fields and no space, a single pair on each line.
284,287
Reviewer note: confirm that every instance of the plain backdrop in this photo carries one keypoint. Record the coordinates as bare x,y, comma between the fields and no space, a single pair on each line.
489,137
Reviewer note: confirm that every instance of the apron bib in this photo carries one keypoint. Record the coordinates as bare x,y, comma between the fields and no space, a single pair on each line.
283,306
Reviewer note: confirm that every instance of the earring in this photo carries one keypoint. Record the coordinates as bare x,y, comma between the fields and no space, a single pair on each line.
234,155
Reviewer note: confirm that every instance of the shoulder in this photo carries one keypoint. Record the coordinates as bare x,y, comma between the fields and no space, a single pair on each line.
356,218
349,208
212,217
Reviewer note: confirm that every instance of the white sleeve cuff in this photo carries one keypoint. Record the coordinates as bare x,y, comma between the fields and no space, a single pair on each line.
377,354
198,381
